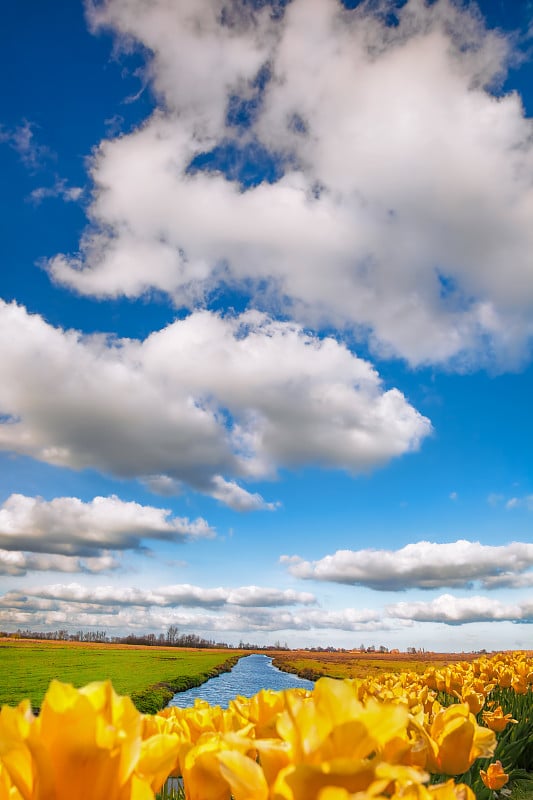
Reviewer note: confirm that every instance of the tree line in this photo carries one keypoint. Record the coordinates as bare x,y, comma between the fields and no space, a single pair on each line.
172,638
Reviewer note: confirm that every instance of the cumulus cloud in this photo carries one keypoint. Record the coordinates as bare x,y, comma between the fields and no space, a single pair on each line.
235,610
233,495
248,608
242,624
66,526
19,563
509,580
399,182
423,565
461,610
172,596
264,394
217,609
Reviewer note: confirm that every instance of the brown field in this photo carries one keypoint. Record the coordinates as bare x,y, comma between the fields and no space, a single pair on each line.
354,664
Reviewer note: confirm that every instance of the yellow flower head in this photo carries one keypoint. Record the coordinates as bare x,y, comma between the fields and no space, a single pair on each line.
15,756
496,720
474,700
7,790
86,743
458,740
494,777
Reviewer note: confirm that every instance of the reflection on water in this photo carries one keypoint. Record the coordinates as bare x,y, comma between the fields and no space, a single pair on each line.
248,676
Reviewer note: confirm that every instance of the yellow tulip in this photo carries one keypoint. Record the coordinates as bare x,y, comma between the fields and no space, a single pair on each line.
262,711
520,684
453,681
7,790
274,756
505,678
244,776
205,771
496,720
15,754
474,700
334,793
494,777
391,777
441,791
85,742
305,781
334,724
458,740
451,791
157,759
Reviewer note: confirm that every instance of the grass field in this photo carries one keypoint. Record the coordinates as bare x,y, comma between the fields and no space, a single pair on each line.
313,665
148,674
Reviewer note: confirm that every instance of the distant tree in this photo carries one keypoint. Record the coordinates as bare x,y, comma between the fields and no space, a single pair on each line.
172,634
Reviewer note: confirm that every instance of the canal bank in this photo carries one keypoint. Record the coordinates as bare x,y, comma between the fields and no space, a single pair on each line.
249,675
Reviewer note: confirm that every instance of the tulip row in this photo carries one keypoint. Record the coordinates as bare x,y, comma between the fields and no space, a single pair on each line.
402,737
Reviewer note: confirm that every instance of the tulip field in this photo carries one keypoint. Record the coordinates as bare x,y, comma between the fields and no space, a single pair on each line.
457,732
314,664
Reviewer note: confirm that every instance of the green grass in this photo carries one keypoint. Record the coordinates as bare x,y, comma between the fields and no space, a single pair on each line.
149,675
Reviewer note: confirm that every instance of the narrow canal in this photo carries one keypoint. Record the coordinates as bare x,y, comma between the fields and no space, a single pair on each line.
248,676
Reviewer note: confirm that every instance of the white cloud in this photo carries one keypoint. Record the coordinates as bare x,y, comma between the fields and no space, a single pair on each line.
248,608
461,610
241,625
69,527
60,188
407,183
22,140
236,497
509,580
520,502
256,596
173,596
200,51
203,611
18,563
423,565
241,610
263,395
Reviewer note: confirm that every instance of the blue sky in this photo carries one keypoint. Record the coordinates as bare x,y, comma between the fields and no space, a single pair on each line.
266,320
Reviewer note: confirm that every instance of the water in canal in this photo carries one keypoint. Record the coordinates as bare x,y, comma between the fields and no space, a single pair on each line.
248,676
